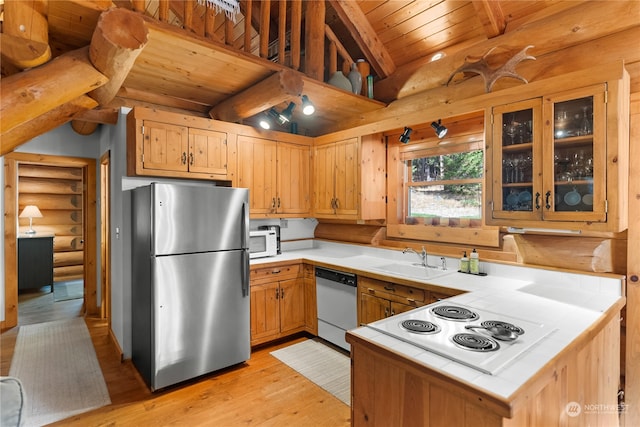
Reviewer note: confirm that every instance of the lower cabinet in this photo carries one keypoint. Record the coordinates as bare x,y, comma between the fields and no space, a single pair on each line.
310,300
378,299
277,302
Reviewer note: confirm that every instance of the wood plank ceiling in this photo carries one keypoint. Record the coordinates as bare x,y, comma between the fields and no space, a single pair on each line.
194,60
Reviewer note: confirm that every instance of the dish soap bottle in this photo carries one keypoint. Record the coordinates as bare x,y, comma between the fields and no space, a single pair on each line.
474,262
464,263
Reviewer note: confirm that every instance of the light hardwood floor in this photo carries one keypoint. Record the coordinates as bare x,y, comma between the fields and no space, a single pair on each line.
261,392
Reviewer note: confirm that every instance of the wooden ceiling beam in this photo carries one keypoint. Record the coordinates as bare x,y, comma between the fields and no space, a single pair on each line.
117,41
365,36
490,14
279,87
25,34
33,92
45,122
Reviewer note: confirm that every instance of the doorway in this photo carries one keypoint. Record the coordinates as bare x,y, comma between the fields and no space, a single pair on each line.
88,168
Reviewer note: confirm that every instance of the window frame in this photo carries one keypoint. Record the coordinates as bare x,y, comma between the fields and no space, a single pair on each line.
466,133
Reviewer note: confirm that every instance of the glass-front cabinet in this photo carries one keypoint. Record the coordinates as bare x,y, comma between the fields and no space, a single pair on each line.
549,158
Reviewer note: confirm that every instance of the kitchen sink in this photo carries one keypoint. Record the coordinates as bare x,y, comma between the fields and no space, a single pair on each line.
412,270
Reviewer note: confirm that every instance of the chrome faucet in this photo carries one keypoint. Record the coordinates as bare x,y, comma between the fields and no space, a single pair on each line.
424,261
443,263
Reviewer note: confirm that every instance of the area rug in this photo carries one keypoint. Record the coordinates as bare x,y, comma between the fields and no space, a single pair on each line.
64,291
59,371
321,364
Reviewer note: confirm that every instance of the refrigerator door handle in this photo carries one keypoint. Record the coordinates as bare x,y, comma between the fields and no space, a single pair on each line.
243,230
245,273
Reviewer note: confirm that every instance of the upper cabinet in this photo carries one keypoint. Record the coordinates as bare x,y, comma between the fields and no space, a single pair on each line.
349,178
557,161
173,145
277,174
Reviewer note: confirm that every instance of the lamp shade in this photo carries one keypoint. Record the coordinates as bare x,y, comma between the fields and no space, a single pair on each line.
30,211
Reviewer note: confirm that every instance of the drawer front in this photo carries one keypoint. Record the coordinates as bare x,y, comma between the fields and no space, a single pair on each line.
391,290
275,273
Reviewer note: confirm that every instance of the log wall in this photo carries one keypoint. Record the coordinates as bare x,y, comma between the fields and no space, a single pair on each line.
58,192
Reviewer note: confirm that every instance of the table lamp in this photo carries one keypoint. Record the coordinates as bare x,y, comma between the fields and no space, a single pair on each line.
30,211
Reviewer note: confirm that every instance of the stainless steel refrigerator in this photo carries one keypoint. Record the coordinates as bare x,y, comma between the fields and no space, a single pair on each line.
190,280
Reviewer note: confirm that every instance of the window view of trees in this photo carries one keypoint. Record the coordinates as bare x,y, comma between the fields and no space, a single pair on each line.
446,188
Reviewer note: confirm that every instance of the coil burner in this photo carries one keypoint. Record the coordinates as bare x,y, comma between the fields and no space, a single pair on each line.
452,312
420,326
475,342
513,328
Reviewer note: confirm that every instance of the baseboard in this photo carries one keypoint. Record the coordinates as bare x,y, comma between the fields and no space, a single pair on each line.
114,341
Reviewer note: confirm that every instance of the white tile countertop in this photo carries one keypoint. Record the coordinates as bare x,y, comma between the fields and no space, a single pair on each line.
567,303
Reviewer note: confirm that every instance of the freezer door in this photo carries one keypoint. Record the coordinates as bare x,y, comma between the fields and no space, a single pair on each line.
200,314
198,218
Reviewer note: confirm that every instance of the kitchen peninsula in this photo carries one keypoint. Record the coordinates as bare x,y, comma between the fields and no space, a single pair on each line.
397,383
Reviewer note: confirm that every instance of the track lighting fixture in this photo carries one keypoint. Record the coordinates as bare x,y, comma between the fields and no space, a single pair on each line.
307,106
440,129
285,115
267,118
405,137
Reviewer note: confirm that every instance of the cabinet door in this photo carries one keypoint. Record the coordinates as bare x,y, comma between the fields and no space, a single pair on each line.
208,152
347,196
516,180
293,179
310,300
257,172
291,304
265,314
397,308
373,308
575,151
324,164
164,146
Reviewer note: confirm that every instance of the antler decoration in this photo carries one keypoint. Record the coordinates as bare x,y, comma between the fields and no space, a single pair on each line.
491,76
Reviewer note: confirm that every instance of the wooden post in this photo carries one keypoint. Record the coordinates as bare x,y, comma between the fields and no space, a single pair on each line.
314,40
296,28
279,87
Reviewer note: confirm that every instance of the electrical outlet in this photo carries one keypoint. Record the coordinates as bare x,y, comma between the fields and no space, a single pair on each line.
284,223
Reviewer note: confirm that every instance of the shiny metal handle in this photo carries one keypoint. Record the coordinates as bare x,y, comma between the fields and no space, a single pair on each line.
371,290
537,201
244,233
389,288
547,197
386,312
245,273
411,300
275,271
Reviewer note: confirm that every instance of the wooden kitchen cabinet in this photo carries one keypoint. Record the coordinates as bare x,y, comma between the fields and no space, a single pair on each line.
349,178
379,299
310,299
277,302
558,160
277,175
171,145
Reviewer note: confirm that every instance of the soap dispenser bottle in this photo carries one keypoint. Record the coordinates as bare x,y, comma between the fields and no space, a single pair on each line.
464,263
474,262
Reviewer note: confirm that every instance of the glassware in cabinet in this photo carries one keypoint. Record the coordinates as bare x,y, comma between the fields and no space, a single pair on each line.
515,176
575,187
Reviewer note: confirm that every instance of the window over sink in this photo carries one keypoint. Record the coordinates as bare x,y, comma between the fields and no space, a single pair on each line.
436,186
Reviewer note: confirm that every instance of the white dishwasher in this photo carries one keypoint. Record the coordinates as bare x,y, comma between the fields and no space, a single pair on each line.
337,305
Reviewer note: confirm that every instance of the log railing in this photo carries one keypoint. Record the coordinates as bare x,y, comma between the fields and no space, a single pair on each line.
256,32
